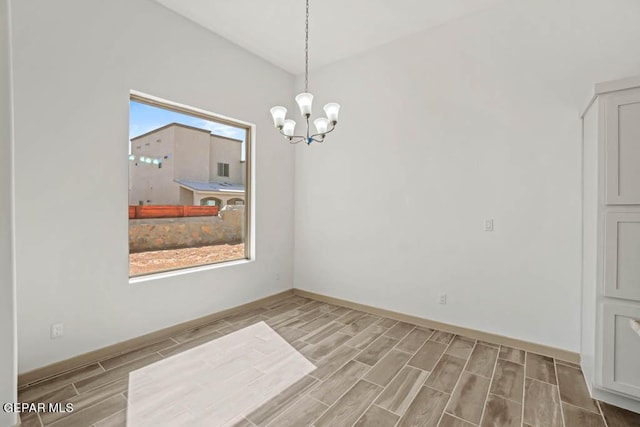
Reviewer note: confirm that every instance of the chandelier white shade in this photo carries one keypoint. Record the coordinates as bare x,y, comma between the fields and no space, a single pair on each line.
323,125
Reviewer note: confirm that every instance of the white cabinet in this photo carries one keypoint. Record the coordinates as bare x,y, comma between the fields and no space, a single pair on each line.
622,124
610,347
621,347
622,254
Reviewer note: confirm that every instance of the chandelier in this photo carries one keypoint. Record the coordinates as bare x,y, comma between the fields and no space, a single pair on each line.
323,125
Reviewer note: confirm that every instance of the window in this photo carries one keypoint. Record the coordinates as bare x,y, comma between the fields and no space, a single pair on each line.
223,169
187,208
210,201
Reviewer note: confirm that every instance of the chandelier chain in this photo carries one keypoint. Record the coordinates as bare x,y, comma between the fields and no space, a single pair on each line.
306,51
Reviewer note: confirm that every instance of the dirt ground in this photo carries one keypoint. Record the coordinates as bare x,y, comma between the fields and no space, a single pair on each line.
155,261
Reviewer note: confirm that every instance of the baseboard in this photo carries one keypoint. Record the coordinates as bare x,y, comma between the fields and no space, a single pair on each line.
545,350
98,355
63,366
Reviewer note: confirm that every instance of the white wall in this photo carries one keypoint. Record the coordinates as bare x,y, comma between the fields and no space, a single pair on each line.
75,62
8,361
475,119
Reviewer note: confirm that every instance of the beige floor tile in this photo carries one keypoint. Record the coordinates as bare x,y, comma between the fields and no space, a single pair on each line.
54,396
311,305
501,412
34,391
442,337
468,398
489,344
241,324
326,346
322,333
376,350
291,334
30,419
414,340
377,417
461,347
540,368
136,354
318,322
573,388
304,412
387,367
277,405
351,317
366,337
425,410
340,311
578,417
399,394
87,399
351,405
236,318
200,331
619,417
451,421
114,374
218,381
400,330
359,325
387,323
186,345
427,356
328,366
541,404
565,363
93,414
338,383
482,360
512,354
446,373
119,419
508,380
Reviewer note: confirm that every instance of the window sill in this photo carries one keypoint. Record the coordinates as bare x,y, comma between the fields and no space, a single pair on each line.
188,270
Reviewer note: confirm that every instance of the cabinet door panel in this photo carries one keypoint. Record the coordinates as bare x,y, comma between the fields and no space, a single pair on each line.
622,255
622,122
621,348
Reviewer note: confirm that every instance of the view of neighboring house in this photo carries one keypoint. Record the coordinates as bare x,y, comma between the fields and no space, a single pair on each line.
178,164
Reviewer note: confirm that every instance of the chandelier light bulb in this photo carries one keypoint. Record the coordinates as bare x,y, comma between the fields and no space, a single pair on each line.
321,124
304,101
331,110
278,113
289,127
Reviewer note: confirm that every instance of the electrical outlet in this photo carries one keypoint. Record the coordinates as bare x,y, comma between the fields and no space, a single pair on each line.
277,277
57,330
488,225
443,298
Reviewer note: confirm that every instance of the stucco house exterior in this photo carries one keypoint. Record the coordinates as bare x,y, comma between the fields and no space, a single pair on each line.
178,164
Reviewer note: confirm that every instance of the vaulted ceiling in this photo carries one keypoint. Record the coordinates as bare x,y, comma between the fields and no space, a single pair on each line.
274,29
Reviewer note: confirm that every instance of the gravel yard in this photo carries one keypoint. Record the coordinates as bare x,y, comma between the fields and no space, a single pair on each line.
156,261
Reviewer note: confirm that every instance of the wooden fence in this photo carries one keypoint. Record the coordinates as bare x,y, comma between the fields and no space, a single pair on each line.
170,211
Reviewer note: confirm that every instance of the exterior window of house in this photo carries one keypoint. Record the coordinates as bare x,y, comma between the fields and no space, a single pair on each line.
223,169
189,196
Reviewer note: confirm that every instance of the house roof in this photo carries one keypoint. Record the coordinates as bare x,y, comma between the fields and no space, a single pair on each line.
211,186
183,126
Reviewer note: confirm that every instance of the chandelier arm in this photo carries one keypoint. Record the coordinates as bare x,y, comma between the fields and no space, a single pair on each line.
324,133
297,138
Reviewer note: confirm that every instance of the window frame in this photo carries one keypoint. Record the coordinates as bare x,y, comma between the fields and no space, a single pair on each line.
249,153
225,169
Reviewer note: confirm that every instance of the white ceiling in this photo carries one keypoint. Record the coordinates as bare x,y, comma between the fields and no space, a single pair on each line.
274,29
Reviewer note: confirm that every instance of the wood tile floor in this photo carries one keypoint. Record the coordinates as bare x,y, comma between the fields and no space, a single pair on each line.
371,371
